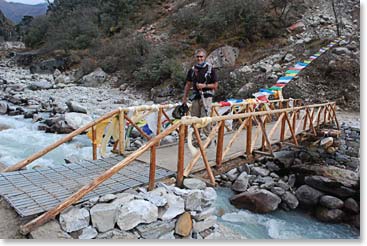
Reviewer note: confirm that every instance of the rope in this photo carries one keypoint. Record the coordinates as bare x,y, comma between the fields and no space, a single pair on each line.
192,149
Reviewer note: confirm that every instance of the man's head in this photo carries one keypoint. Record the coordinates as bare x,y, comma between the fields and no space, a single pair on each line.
200,56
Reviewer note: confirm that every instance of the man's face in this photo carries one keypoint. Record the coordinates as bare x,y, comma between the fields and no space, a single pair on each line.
200,57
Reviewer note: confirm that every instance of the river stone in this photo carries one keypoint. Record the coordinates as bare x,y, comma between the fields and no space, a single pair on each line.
289,57
290,200
40,85
271,166
223,232
291,180
157,200
74,219
209,196
88,233
168,236
258,201
307,195
331,202
175,206
49,231
136,212
122,199
184,225
329,215
330,186
232,174
3,107
77,120
260,171
277,191
193,200
107,198
198,216
351,206
95,78
205,224
76,107
192,184
104,216
156,229
241,183
117,234
285,157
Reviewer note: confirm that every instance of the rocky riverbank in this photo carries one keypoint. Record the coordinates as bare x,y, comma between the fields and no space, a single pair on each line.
321,177
166,212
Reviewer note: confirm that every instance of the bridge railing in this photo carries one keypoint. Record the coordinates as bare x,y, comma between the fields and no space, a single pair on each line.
310,117
130,116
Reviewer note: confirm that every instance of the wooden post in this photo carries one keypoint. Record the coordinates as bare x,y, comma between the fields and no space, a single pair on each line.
219,156
234,137
263,129
181,156
282,128
311,124
94,143
305,122
65,139
263,139
291,129
203,155
275,127
30,226
122,132
249,137
336,119
194,160
159,122
153,152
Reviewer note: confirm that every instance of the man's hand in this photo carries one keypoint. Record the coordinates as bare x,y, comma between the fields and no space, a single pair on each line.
201,86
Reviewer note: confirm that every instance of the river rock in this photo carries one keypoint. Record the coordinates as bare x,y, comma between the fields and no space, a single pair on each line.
241,183
184,225
271,166
329,186
341,51
290,199
331,202
40,85
157,200
175,206
136,212
77,120
94,79
117,234
284,157
75,107
104,216
156,229
193,200
74,219
289,57
326,142
3,107
329,215
88,233
209,196
233,174
49,231
307,195
192,183
205,224
198,216
259,201
277,191
260,171
122,199
351,206
107,198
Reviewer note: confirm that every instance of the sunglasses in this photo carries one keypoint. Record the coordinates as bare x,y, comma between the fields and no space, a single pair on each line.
199,56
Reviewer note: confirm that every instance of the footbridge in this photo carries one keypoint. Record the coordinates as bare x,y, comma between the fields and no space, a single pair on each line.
243,129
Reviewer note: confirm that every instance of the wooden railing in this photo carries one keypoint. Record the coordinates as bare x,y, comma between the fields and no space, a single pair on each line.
310,117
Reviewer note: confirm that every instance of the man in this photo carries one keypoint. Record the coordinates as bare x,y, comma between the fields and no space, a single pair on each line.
203,79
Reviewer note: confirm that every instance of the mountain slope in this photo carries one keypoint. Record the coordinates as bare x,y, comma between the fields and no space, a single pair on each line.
16,11
7,30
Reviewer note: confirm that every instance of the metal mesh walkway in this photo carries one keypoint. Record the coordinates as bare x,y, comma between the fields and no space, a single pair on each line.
31,192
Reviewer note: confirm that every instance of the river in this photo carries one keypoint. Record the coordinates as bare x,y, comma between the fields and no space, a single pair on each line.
22,139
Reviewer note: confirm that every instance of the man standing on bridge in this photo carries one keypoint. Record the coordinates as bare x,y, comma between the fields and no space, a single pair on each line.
203,79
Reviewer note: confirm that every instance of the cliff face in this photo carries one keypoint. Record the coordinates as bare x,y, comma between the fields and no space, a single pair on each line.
7,29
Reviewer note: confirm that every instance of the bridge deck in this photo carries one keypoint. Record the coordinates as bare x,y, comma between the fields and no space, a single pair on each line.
32,192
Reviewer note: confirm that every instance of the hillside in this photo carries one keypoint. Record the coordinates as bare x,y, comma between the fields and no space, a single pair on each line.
148,45
7,29
16,11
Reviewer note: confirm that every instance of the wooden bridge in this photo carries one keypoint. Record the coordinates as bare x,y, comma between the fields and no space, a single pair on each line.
256,128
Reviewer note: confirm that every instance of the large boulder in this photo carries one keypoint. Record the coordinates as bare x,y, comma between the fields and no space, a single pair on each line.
77,120
329,215
331,202
284,157
351,206
307,195
329,186
76,107
259,201
290,199
136,212
48,66
223,56
94,79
